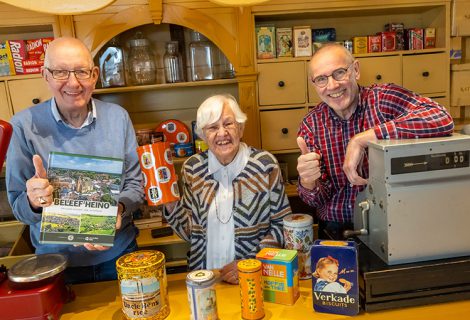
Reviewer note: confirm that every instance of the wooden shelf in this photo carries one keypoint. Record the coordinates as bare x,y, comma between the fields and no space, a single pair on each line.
145,239
165,86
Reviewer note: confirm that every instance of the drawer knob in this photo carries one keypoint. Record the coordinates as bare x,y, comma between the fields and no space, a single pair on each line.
378,77
35,101
281,84
285,130
425,74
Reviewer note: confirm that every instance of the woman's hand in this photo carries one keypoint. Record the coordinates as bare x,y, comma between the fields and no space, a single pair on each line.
229,273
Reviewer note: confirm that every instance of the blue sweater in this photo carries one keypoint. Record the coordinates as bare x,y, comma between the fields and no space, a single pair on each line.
35,131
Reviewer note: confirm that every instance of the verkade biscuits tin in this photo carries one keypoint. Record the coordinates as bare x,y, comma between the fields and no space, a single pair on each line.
298,235
143,285
279,275
335,277
201,295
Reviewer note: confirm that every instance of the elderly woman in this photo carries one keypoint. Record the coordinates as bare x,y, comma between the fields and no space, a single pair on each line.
233,198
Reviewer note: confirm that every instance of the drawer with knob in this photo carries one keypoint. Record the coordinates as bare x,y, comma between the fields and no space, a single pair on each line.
27,92
282,83
426,73
380,70
279,128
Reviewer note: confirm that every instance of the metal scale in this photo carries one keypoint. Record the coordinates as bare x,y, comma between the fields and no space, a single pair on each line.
413,220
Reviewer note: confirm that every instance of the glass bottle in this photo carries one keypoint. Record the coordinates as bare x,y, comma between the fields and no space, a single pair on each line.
173,63
111,63
201,56
141,61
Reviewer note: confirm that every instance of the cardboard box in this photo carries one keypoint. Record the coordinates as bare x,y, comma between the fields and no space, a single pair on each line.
279,275
335,286
460,85
266,42
302,38
284,42
6,61
460,18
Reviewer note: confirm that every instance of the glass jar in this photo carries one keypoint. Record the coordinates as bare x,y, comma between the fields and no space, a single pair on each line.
173,63
223,67
111,62
141,61
201,56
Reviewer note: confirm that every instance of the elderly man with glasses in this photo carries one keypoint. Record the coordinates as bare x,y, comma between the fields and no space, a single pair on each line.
72,122
333,165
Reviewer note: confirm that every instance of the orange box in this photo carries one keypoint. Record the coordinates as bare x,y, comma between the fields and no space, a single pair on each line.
159,175
280,278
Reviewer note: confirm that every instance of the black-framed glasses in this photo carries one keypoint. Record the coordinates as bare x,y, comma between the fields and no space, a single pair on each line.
80,74
338,74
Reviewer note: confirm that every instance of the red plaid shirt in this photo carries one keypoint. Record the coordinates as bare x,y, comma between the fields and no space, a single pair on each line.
392,111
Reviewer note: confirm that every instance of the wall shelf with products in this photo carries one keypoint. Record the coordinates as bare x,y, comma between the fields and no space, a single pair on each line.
424,71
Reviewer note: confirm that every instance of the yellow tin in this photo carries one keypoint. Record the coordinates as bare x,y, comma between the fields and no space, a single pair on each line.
251,290
143,285
200,146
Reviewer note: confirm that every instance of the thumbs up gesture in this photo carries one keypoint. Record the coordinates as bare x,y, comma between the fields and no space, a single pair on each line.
308,165
38,189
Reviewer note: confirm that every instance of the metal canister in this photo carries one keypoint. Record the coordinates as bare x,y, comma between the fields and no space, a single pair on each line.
183,150
200,145
298,235
201,295
144,136
251,290
348,44
143,285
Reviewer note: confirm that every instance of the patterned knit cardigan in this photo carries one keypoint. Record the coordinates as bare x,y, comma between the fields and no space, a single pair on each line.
259,205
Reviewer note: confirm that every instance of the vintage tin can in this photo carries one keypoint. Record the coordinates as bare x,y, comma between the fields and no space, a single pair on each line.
348,44
183,150
201,295
251,290
298,235
143,285
200,146
144,136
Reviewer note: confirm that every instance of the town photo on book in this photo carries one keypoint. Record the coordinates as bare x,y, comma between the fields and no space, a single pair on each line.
85,199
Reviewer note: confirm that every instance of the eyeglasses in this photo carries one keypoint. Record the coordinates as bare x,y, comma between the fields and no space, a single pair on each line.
229,126
339,75
65,74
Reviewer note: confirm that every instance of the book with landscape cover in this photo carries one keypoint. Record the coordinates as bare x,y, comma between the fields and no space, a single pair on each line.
85,199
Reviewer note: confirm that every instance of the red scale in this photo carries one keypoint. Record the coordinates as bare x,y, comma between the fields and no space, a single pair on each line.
34,289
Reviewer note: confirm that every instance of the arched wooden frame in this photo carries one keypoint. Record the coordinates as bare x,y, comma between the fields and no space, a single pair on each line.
140,15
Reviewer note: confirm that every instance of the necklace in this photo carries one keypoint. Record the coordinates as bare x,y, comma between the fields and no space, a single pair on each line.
217,213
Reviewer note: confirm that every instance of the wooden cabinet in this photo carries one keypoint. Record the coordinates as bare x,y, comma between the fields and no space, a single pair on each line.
5,111
27,92
423,71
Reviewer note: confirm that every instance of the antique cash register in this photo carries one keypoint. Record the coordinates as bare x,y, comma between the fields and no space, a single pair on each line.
413,222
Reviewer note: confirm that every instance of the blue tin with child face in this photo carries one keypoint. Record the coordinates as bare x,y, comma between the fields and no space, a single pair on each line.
335,287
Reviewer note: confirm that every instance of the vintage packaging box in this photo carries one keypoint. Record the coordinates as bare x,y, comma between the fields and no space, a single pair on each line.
335,277
324,35
6,62
414,39
374,43
302,41
429,38
399,29
359,45
284,42
389,40
266,42
279,275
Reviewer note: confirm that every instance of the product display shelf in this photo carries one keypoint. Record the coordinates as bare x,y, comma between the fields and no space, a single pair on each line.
164,86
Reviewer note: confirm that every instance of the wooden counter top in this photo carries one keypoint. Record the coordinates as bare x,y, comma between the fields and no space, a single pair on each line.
101,301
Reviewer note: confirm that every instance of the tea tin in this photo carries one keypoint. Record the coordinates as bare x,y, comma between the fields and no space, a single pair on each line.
201,295
183,150
143,285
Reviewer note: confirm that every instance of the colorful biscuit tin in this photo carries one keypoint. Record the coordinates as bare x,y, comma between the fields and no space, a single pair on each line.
335,277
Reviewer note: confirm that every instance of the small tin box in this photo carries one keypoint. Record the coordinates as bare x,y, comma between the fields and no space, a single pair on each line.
279,275
374,43
335,277
359,45
389,40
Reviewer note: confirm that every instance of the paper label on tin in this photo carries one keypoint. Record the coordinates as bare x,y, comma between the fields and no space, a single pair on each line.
181,137
163,174
147,160
203,303
141,297
168,156
154,194
175,190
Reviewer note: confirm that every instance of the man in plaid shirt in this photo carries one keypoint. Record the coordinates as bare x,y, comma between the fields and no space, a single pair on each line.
333,165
